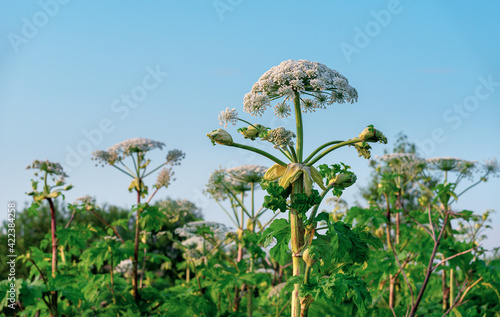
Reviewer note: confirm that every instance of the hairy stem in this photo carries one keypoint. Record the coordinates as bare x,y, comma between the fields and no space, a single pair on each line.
136,245
53,226
300,129
297,240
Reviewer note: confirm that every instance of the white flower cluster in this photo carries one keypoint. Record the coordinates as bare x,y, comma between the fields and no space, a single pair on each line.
291,77
164,178
196,245
247,173
236,179
451,164
174,157
228,116
276,290
281,137
217,186
404,164
491,167
85,200
126,148
52,168
189,229
125,267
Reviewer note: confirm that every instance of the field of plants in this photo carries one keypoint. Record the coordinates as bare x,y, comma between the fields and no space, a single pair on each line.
405,250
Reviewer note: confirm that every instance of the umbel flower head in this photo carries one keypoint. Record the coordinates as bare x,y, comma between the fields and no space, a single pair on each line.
51,168
228,116
247,173
290,77
447,164
164,178
126,148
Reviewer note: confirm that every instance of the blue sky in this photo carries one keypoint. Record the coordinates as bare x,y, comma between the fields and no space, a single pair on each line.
429,69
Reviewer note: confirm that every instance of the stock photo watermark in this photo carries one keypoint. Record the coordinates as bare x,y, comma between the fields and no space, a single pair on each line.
456,114
363,36
11,254
221,7
122,107
32,25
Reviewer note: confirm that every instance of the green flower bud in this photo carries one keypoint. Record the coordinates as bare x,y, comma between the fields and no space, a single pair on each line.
311,255
220,136
252,131
343,180
369,134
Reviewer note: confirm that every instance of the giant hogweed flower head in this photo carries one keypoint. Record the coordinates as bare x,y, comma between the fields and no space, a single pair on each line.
126,148
247,173
300,76
447,164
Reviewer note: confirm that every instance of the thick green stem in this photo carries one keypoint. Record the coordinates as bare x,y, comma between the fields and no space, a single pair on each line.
336,146
300,130
297,240
136,246
452,288
263,153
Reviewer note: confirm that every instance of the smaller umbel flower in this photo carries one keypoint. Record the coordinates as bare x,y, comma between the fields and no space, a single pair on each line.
370,134
87,201
282,110
164,178
52,170
220,136
280,137
218,186
174,157
491,167
228,116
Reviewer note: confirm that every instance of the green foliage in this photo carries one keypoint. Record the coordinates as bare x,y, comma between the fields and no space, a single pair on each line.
277,195
279,230
302,202
339,288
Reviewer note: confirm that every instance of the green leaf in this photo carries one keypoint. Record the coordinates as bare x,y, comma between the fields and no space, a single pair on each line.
280,230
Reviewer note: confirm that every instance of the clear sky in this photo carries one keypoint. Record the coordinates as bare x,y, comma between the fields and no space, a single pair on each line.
79,76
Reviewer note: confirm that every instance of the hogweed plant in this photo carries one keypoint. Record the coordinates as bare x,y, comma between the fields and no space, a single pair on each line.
412,197
136,150
49,172
322,263
233,185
